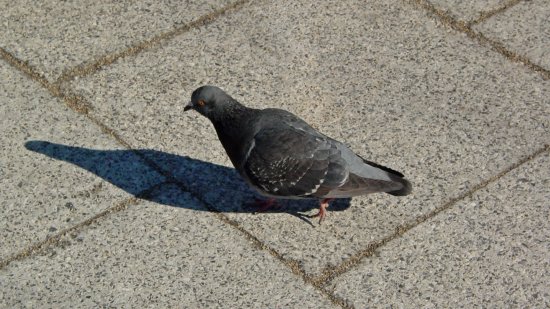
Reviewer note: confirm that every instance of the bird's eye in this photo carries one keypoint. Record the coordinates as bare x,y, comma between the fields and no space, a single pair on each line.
201,102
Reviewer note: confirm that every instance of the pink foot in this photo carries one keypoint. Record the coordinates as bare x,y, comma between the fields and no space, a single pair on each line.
323,209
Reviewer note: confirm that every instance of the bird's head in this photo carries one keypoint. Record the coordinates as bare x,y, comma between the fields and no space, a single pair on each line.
209,101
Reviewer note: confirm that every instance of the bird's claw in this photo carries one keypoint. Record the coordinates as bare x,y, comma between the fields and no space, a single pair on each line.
322,210
321,214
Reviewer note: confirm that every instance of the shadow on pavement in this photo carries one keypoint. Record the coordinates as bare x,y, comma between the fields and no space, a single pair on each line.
221,187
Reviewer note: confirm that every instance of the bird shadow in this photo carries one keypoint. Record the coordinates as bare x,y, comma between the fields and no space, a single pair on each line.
219,186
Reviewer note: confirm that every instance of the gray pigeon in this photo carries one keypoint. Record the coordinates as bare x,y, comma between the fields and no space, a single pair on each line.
281,156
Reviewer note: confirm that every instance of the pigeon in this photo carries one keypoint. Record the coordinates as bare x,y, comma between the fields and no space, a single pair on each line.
283,157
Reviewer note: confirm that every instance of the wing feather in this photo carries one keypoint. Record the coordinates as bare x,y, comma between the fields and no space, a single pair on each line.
290,162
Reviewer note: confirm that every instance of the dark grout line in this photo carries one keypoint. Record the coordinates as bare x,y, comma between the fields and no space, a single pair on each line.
26,68
56,239
466,28
94,65
72,101
79,105
293,265
484,15
330,273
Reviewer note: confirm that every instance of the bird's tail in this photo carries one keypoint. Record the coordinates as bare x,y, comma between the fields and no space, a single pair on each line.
395,176
405,190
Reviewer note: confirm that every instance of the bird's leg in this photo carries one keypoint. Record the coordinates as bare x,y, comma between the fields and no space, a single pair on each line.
323,209
265,205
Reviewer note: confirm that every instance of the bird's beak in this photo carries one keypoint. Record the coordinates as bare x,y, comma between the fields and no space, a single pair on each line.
188,106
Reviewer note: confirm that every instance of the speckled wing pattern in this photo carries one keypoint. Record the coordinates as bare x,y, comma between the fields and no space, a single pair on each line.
288,160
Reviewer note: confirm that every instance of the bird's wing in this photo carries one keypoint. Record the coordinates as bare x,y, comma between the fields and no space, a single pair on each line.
368,177
287,157
284,160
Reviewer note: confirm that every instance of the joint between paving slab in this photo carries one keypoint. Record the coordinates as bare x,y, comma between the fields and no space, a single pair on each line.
466,28
75,102
92,66
71,102
79,104
27,69
56,240
484,15
293,265
330,273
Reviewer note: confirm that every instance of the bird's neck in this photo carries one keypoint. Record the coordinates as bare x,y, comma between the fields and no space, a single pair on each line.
233,130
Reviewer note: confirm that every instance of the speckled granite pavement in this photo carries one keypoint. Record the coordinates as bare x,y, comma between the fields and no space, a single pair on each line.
111,196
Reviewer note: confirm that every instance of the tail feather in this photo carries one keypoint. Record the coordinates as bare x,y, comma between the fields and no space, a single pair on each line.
405,190
382,167
394,176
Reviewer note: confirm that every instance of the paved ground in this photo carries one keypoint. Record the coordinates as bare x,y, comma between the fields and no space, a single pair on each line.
113,197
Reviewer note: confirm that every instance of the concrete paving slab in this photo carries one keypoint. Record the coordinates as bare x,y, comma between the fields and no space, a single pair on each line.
54,36
41,195
524,29
490,250
468,10
384,77
151,255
